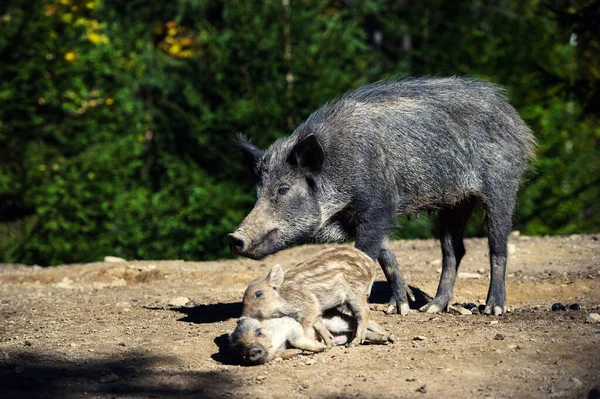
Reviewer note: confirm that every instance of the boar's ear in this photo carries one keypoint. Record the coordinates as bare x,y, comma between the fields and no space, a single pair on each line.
275,276
251,153
308,154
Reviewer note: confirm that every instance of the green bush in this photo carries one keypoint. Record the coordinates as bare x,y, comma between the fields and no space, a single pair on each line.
116,118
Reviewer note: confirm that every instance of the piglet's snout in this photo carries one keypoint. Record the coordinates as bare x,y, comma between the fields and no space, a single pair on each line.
256,354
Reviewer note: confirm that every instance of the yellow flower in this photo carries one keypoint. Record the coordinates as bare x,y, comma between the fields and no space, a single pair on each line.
109,101
70,56
97,38
90,5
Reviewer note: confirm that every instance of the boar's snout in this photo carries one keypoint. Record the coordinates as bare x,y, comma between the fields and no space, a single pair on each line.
237,243
256,354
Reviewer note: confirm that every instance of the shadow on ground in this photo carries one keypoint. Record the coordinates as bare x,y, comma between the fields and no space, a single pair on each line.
210,313
382,293
27,375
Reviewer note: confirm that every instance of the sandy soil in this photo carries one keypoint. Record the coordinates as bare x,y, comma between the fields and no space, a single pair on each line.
106,330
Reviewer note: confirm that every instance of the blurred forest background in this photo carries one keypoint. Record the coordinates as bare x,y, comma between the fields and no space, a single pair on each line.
116,117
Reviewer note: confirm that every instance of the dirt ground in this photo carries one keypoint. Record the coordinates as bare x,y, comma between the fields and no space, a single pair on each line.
105,330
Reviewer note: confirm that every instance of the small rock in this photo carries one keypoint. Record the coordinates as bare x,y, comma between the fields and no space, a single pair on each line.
109,378
114,259
493,322
123,304
575,306
475,310
515,233
309,362
459,310
411,379
261,377
422,389
512,248
419,338
469,275
435,262
178,301
593,318
481,270
576,382
27,343
74,345
499,337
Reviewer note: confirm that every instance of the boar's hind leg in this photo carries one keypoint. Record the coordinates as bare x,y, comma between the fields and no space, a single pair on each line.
499,209
400,290
452,225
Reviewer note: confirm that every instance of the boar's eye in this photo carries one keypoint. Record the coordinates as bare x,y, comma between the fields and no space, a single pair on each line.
258,294
258,332
283,190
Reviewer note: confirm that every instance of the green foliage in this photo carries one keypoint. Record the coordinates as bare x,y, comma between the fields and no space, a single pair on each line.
116,118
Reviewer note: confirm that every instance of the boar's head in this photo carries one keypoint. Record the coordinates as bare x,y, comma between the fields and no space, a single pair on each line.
251,342
262,299
287,210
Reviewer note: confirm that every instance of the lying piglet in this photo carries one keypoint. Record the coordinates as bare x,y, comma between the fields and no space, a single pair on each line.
258,342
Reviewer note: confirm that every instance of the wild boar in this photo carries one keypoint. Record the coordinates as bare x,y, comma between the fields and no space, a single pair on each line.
395,147
337,276
258,342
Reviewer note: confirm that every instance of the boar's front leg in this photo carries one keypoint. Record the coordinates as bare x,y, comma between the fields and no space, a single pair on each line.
371,238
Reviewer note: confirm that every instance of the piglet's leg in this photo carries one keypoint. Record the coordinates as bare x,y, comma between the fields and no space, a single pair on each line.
323,332
288,353
307,344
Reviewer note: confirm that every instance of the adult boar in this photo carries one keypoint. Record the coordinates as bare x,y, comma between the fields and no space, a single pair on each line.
388,148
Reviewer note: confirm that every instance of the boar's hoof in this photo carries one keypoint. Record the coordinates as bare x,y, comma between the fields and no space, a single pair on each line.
494,310
401,308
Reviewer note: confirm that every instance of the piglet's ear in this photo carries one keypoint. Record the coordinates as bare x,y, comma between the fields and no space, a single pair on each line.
251,153
275,276
308,154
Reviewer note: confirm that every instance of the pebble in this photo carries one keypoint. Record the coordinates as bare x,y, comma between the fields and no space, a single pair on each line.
436,262
309,362
494,322
422,389
179,301
499,337
27,343
109,378
557,306
460,310
261,377
419,338
114,259
593,318
474,276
